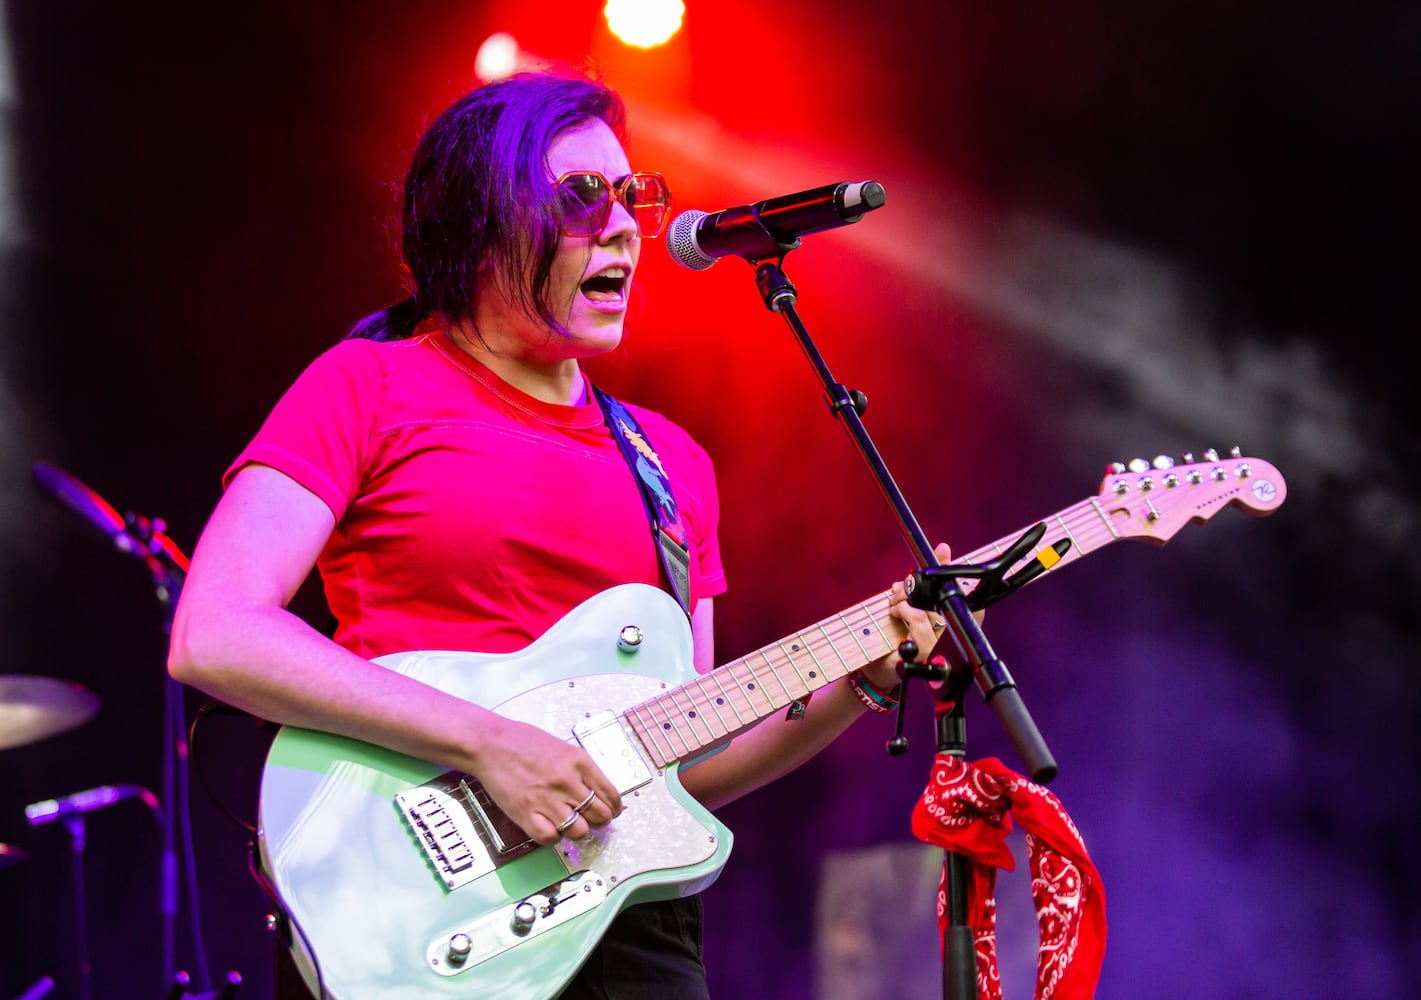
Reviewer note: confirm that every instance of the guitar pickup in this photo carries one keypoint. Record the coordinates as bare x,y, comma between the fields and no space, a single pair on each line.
608,744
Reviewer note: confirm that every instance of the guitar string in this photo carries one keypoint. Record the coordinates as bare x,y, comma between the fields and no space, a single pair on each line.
804,682
1086,525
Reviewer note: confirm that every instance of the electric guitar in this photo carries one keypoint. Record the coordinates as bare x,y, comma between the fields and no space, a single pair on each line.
400,879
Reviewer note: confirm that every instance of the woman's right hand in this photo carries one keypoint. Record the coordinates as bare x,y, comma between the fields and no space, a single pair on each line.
542,782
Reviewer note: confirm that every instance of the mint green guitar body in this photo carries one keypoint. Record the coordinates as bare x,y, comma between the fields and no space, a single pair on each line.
399,884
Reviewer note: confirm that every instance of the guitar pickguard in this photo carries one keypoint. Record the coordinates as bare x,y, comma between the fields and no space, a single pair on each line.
654,830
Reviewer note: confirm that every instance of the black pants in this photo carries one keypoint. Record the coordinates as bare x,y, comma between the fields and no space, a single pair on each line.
652,951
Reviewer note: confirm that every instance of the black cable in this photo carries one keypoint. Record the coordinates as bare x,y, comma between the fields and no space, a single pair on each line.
210,707
269,890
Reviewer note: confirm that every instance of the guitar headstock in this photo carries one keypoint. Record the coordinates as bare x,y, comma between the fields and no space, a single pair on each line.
1154,499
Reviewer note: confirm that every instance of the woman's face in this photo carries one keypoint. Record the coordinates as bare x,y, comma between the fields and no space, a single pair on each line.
591,275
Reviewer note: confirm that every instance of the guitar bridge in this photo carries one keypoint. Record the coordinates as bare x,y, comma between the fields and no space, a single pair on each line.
460,829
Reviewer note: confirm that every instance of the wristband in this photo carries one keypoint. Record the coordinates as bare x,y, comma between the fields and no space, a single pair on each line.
882,702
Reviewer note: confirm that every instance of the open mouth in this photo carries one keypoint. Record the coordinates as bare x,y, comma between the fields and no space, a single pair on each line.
608,286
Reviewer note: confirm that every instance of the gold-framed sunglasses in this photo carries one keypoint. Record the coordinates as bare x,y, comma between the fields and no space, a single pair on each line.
585,197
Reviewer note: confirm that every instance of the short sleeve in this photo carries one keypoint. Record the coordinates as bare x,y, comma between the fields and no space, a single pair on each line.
320,432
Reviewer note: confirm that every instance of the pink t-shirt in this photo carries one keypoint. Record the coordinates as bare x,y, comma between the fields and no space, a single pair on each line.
470,515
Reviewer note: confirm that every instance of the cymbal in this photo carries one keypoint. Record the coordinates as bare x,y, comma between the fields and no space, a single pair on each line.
35,708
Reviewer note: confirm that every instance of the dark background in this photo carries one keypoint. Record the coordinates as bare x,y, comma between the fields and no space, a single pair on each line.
1112,230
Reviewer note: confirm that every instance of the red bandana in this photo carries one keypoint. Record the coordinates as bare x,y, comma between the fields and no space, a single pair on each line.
967,809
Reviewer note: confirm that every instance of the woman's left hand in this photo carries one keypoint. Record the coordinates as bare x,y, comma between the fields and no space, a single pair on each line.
924,628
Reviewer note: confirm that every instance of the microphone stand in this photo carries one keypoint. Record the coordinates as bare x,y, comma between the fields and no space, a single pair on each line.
145,538
75,825
168,567
932,587
72,813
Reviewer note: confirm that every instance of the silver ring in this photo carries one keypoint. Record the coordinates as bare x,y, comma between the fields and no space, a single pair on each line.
571,819
939,625
585,802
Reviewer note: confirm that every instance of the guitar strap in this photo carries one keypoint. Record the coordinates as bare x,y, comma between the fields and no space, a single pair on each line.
656,496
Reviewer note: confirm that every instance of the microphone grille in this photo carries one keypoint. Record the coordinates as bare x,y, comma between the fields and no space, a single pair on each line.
681,241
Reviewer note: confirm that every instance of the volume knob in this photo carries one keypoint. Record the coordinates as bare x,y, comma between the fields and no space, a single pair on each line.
459,948
629,639
523,916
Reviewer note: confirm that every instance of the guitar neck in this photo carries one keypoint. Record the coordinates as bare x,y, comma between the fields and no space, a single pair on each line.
711,709
1149,501
1085,525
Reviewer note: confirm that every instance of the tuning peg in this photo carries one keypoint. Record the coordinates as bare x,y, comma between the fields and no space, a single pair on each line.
1210,455
1139,465
1114,469
1235,452
1163,462
1188,457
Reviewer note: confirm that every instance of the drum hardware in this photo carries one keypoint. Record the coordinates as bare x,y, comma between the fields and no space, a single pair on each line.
227,991
145,538
36,708
71,809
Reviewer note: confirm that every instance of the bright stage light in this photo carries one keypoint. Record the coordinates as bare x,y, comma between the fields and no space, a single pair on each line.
497,58
644,23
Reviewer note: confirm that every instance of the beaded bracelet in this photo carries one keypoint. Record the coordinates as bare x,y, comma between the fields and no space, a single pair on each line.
882,702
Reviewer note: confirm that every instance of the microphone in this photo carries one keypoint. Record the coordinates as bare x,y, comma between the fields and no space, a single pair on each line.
81,500
769,228
49,810
134,534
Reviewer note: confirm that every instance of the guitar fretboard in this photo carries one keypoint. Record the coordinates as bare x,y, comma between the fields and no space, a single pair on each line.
732,698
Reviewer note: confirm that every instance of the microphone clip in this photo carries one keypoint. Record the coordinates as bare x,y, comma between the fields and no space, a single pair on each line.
754,240
926,587
147,538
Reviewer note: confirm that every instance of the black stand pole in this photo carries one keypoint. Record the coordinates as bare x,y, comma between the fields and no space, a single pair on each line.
935,587
168,566
959,947
75,825
167,589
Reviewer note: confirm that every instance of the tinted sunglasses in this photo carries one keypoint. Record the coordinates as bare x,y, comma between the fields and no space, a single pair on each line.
585,202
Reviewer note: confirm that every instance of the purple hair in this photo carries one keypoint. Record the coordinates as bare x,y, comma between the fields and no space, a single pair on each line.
477,193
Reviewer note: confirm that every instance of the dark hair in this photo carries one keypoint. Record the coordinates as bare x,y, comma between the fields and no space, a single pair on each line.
477,193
